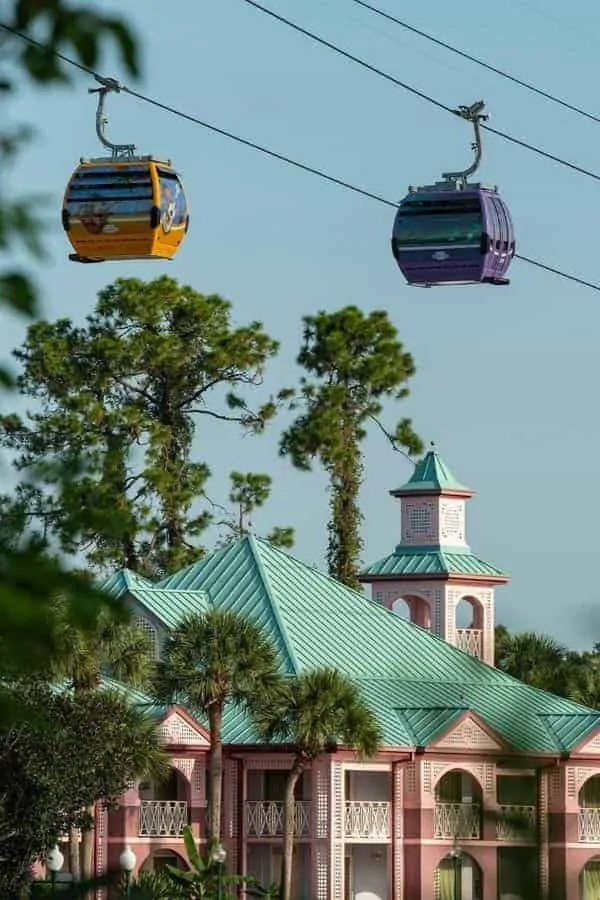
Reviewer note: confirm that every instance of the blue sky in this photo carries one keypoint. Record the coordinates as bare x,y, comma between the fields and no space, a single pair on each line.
505,383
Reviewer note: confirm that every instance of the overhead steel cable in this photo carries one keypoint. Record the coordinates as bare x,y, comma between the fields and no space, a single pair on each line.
319,173
480,62
412,90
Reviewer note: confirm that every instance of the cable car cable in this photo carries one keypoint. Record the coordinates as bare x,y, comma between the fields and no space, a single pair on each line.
477,61
254,146
423,96
267,152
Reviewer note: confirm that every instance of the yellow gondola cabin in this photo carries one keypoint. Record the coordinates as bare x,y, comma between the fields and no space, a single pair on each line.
123,206
125,209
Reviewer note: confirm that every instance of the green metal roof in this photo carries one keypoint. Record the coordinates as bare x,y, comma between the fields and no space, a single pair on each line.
431,561
124,581
416,683
169,607
431,476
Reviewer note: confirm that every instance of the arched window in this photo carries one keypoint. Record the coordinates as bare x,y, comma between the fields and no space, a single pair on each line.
458,807
414,609
468,623
589,811
458,876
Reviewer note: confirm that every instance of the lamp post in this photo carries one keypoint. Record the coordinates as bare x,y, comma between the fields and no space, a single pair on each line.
219,855
456,857
54,863
127,861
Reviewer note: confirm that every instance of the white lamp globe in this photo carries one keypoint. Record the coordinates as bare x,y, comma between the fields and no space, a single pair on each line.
127,859
55,859
219,854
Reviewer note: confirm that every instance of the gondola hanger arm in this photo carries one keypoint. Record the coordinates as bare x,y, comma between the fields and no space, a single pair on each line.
109,85
476,116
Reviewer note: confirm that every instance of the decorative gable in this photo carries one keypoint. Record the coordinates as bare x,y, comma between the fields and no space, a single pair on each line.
591,747
468,734
176,729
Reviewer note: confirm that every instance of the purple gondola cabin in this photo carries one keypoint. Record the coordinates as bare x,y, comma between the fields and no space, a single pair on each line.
444,234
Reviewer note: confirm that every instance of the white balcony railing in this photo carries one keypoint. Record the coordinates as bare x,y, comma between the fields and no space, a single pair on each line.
264,818
160,818
367,820
589,825
469,640
515,822
457,820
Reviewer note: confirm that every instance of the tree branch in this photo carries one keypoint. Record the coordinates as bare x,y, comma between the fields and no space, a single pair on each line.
392,440
214,415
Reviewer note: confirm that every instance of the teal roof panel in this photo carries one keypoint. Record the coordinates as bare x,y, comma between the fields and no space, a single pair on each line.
431,475
432,561
426,723
123,581
170,607
234,579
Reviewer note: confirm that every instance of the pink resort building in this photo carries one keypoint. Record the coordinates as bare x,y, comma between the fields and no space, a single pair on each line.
484,788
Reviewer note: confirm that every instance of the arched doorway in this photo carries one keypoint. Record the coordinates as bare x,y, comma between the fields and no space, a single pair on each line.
458,877
589,810
458,807
160,859
589,880
468,624
414,609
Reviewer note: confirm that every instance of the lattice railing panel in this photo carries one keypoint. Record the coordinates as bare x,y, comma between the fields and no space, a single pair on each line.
264,818
515,822
163,817
457,820
589,825
367,820
469,640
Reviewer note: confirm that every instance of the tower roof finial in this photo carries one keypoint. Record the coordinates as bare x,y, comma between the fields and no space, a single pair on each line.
432,476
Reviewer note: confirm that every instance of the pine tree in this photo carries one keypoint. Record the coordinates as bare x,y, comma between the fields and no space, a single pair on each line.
119,404
354,362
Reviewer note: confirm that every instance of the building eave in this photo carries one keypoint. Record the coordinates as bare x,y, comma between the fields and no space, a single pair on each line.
440,576
417,491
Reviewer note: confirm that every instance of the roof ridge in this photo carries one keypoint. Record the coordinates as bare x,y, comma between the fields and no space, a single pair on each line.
254,549
169,590
300,562
555,736
463,708
133,577
408,727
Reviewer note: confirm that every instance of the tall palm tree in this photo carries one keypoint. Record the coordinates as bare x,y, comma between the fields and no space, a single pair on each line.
535,659
113,646
212,659
314,710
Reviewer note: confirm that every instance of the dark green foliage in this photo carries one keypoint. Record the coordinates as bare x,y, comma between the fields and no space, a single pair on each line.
28,578
30,582
209,660
64,755
317,710
74,30
120,401
205,879
110,646
250,491
541,661
156,886
354,363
